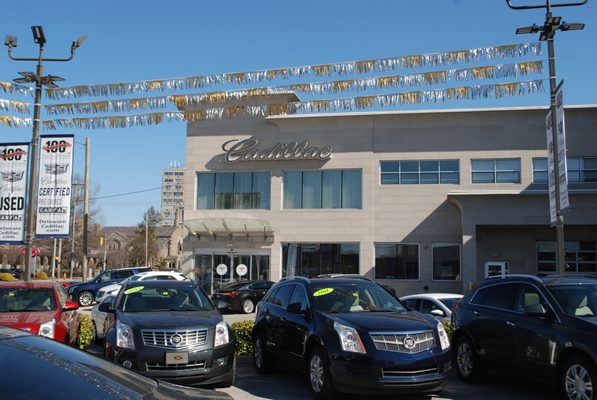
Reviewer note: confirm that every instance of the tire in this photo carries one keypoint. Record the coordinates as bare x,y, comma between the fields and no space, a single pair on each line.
466,361
247,306
578,379
86,299
320,379
263,362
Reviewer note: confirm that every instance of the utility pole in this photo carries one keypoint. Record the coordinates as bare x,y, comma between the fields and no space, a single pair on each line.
86,210
548,30
39,80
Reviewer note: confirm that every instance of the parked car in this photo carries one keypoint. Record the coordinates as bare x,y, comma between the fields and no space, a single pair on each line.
112,290
350,335
438,305
37,368
100,319
540,328
84,293
39,307
241,296
170,330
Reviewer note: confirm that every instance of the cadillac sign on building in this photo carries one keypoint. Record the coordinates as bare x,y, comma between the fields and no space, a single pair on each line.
248,150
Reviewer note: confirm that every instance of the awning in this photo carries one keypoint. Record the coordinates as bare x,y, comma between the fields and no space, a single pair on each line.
230,227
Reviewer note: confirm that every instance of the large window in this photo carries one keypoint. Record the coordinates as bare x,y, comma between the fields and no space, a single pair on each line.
446,262
312,259
580,257
396,261
323,189
579,170
420,172
233,190
501,170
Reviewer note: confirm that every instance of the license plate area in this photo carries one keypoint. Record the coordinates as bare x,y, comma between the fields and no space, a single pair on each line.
177,358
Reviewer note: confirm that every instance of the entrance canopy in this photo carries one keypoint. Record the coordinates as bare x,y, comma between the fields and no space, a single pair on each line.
230,227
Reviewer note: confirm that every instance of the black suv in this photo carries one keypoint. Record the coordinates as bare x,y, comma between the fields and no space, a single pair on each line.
84,293
351,335
541,328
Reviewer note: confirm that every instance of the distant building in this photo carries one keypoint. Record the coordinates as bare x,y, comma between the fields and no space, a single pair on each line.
172,194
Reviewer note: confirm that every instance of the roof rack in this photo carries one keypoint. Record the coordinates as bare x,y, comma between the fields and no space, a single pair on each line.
293,277
348,276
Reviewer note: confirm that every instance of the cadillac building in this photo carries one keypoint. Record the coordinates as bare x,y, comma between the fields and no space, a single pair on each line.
417,200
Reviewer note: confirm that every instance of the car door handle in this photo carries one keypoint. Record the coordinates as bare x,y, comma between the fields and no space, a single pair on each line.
510,324
476,313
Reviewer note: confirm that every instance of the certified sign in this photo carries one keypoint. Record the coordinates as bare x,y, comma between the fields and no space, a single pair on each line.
221,269
241,269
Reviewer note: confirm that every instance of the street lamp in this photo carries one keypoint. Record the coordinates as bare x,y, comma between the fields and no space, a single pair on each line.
40,80
547,33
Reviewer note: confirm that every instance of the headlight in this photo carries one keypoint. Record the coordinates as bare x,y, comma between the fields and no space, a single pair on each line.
124,336
349,338
47,329
443,336
221,334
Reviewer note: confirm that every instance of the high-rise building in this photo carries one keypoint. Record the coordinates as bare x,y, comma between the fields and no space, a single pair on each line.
172,193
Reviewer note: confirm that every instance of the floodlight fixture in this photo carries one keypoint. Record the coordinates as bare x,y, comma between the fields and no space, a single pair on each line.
79,41
528,29
553,20
38,35
10,41
572,26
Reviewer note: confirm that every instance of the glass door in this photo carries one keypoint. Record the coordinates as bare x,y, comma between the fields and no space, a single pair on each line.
217,269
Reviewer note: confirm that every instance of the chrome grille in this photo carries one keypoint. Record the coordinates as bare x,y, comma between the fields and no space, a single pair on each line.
402,373
395,341
174,339
156,366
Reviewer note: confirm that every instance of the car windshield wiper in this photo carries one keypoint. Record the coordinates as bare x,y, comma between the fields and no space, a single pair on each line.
384,310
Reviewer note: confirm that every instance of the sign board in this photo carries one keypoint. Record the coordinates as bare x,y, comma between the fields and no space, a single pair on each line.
54,186
14,158
221,269
560,147
241,269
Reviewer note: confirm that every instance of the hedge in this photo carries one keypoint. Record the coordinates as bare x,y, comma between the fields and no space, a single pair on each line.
6,276
86,331
242,334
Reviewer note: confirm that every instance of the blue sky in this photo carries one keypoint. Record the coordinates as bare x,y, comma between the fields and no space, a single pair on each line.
143,40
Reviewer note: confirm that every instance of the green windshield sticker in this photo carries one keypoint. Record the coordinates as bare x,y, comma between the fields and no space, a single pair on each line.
322,292
134,289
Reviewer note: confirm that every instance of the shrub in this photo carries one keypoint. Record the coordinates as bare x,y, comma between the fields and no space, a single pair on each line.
242,334
41,275
448,327
7,276
86,331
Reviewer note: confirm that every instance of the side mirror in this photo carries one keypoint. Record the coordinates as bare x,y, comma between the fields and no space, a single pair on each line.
438,313
107,307
70,305
535,310
295,308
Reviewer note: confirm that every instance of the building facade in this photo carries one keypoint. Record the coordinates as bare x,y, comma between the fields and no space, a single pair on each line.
172,195
418,200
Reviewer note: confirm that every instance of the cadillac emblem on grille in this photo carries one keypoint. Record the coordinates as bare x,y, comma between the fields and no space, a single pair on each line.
176,339
409,343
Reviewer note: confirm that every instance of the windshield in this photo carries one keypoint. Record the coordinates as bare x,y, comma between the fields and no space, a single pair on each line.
353,297
234,285
27,299
164,298
577,300
449,302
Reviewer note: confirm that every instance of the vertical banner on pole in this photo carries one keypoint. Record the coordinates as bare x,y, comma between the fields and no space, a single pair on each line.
54,186
14,159
562,162
551,170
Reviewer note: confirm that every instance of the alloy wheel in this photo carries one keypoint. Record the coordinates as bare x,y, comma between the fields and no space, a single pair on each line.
85,299
579,385
316,373
464,358
258,353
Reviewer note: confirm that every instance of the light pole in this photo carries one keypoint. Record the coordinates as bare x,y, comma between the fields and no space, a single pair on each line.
29,77
547,33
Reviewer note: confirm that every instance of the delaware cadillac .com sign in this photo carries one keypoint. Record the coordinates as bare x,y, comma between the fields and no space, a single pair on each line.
247,150
14,158
54,189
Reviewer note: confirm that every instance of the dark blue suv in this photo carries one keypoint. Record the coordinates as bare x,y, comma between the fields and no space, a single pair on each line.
351,335
84,293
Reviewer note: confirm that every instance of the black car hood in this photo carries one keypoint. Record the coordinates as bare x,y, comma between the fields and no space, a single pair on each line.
386,321
169,319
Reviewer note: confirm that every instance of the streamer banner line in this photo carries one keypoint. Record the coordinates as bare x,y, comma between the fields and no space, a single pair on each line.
497,91
316,88
321,70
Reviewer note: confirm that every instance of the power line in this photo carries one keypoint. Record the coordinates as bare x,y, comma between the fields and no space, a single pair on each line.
125,194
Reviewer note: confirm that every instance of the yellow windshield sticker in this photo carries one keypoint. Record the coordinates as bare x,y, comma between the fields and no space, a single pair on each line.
322,292
165,293
134,289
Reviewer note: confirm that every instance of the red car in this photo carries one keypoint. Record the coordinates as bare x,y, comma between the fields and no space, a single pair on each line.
39,307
